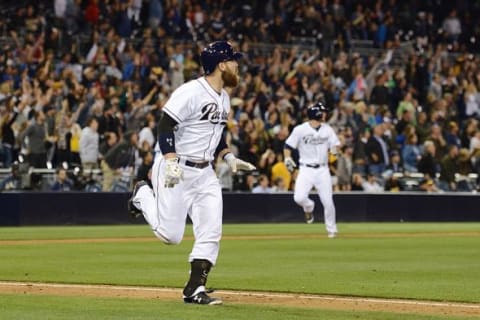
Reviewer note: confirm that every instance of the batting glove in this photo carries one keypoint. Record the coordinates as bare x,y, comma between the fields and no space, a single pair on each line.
291,165
237,164
173,173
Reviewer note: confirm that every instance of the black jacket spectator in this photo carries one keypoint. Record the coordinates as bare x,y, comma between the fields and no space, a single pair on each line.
122,154
448,168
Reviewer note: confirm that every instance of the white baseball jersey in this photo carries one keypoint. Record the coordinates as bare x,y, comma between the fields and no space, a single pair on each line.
313,144
202,115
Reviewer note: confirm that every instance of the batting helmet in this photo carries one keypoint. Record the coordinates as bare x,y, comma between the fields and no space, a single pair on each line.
315,111
216,52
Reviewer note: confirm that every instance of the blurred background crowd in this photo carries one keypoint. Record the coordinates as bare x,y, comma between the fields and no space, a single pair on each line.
83,83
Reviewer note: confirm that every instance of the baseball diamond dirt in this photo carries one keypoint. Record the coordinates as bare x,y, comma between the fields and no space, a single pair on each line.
248,297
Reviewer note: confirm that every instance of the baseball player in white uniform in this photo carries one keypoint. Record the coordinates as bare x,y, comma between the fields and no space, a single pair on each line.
314,139
183,180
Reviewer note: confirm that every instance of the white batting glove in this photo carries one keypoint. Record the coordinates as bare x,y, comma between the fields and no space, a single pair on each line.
173,173
291,165
236,164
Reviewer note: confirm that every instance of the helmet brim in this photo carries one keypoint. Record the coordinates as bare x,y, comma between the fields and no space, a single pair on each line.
237,56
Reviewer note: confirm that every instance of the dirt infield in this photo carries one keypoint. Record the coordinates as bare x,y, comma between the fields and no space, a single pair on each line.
246,297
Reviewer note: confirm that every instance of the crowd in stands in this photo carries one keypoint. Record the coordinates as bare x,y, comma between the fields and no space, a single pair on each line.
82,83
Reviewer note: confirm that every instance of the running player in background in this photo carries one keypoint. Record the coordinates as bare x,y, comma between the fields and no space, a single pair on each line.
183,180
314,139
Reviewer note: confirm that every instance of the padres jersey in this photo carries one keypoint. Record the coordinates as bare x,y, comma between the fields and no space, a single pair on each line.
201,114
313,144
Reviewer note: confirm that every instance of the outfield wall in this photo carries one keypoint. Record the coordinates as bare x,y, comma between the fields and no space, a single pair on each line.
74,208
80,208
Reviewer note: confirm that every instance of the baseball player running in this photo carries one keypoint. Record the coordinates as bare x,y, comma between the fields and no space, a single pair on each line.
183,180
313,139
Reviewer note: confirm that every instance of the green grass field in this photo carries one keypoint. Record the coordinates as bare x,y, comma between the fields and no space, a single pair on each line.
412,261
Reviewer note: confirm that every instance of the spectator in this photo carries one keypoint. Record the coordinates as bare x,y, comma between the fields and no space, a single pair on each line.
406,106
279,185
474,142
280,171
436,136
472,107
121,156
379,95
89,145
470,134
422,127
13,181
452,26
92,12
371,184
345,168
145,170
146,135
452,137
411,154
155,13
72,16
62,182
110,140
377,152
38,141
428,185
357,181
428,164
74,143
267,160
224,175
393,184
448,168
359,156
435,90
395,165
7,134
263,185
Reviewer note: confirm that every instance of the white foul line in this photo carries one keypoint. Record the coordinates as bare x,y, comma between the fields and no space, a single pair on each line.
250,294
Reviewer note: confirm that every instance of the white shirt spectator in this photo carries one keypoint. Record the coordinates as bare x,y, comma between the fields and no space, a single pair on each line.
60,7
146,134
371,185
452,25
89,145
262,189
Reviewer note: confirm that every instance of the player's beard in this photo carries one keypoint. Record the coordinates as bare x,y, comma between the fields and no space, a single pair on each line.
230,78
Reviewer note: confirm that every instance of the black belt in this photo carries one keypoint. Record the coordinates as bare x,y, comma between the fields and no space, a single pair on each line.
313,165
199,165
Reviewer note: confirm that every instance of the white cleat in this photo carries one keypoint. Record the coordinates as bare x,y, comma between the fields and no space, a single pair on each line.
332,235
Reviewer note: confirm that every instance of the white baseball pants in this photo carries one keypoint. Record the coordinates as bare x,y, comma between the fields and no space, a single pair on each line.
321,179
199,195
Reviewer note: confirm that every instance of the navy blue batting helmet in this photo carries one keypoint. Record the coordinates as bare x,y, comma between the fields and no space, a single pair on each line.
216,52
315,111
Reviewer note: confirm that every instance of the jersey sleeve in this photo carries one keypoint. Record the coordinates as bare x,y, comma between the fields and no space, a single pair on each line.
178,106
333,140
293,139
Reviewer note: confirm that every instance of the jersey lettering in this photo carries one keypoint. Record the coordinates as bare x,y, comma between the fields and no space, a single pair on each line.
211,113
314,139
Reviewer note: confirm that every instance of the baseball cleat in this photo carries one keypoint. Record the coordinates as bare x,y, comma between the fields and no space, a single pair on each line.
332,235
202,298
309,217
132,210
